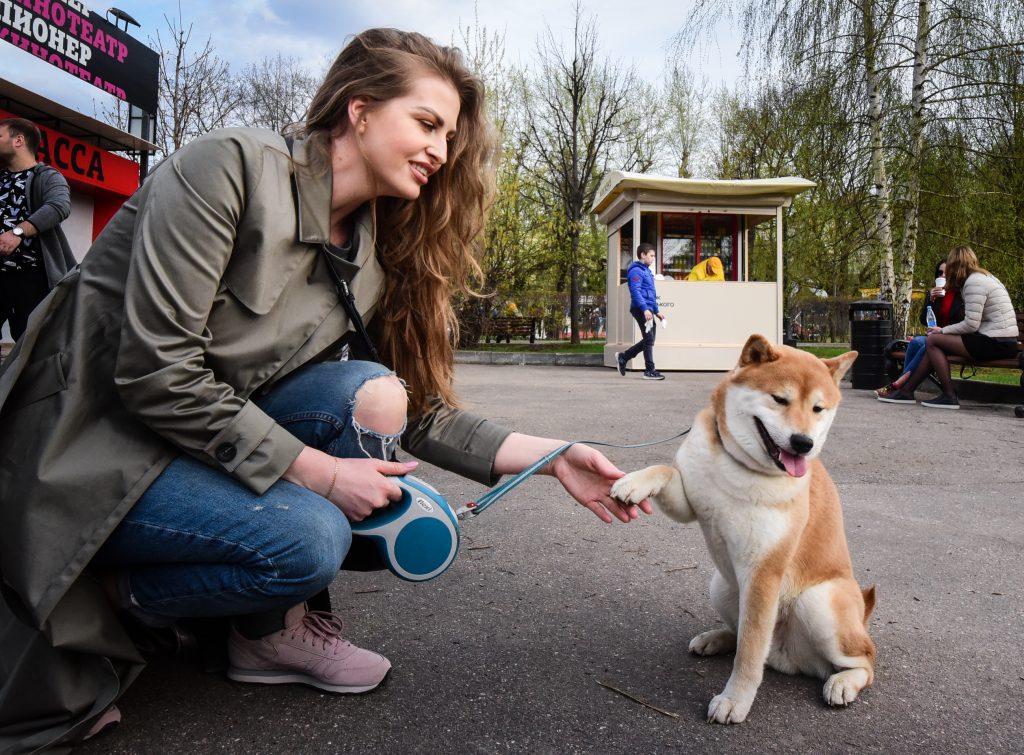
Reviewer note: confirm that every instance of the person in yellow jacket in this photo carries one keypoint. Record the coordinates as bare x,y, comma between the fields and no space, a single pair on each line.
708,270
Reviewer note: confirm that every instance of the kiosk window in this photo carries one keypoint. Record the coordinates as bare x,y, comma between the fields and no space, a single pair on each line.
678,244
625,249
718,239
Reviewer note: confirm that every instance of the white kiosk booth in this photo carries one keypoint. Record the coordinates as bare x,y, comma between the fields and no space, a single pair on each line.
690,221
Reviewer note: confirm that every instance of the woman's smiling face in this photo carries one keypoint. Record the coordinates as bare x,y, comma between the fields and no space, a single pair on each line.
405,140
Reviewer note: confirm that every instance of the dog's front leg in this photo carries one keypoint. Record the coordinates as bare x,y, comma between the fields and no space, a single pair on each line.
661,484
759,605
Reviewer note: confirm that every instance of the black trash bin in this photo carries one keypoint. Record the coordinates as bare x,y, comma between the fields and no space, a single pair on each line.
787,332
870,333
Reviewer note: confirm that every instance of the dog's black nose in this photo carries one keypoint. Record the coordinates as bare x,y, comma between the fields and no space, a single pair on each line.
800,443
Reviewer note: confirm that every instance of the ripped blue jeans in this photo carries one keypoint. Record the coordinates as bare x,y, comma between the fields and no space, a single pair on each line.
200,544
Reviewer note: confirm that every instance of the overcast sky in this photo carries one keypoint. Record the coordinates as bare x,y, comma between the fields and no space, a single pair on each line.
635,32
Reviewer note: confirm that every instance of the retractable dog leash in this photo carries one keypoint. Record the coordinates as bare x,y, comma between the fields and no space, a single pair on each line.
417,537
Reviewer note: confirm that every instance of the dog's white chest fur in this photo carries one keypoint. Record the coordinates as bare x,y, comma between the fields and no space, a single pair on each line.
742,513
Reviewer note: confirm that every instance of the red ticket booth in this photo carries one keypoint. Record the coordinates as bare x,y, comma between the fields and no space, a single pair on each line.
85,151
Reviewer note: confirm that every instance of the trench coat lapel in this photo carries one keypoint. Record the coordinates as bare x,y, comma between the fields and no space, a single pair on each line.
312,197
313,207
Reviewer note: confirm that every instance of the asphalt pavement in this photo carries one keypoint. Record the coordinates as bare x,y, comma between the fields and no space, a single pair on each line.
556,633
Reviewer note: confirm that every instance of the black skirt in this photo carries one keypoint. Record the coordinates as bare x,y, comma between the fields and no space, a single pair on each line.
983,348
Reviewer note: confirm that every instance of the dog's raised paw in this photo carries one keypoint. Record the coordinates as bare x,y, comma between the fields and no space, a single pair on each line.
725,710
843,688
634,487
713,642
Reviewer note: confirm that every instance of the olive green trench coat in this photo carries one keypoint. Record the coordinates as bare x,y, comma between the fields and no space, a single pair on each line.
205,289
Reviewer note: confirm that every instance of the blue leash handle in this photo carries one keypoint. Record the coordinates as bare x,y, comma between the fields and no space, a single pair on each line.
499,491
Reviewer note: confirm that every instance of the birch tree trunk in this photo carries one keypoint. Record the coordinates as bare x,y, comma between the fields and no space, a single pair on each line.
880,188
908,247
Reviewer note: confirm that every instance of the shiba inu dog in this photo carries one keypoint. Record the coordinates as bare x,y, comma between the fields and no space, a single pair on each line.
748,472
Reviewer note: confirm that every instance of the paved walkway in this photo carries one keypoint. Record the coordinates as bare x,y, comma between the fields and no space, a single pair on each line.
511,649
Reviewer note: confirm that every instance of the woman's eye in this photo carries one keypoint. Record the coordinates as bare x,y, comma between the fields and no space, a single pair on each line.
427,125
781,401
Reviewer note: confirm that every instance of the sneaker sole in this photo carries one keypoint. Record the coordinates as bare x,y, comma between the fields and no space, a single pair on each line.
620,365
887,400
654,378
940,406
287,677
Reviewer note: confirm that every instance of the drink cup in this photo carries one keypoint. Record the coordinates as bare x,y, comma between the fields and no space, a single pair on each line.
940,282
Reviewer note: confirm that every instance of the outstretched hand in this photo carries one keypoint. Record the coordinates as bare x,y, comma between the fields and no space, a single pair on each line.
587,476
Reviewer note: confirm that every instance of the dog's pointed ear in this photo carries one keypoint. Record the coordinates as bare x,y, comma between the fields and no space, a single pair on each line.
757,350
840,364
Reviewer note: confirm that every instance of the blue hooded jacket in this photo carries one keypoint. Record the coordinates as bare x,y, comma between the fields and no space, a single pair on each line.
641,287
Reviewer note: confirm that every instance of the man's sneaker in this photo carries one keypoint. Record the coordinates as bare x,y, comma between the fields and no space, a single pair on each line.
309,650
898,397
621,361
942,402
653,375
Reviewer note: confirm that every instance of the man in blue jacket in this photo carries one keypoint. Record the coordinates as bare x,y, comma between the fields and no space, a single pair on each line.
643,305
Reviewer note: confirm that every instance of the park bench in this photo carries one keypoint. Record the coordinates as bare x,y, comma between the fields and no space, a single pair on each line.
508,328
1013,363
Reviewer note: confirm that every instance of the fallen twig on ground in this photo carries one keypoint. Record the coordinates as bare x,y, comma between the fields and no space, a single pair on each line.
662,711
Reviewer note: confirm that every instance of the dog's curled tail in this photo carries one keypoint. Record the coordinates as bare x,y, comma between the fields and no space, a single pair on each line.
869,602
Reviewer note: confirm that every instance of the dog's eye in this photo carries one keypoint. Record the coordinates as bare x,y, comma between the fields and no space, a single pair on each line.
819,409
781,401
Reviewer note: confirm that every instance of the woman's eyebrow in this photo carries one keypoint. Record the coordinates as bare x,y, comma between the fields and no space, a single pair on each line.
437,116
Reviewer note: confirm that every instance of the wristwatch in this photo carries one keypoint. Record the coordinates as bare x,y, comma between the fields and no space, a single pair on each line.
18,231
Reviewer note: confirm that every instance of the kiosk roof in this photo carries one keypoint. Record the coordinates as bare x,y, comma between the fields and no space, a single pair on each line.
619,181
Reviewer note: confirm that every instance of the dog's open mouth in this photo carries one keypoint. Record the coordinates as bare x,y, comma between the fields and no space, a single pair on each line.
794,465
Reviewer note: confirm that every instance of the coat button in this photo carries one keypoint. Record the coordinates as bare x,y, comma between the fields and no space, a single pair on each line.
226,452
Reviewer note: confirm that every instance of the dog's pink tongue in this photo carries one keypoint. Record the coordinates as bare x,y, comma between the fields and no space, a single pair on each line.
796,466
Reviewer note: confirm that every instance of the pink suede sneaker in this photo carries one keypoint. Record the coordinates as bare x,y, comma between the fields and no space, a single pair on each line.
309,650
110,718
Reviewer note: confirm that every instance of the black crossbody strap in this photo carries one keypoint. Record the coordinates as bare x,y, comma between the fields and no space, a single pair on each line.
344,294
349,302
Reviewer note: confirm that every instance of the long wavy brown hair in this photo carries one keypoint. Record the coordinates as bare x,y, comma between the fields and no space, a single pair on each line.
961,262
425,245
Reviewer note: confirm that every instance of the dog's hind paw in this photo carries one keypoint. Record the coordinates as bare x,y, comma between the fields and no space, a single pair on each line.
843,688
724,710
713,642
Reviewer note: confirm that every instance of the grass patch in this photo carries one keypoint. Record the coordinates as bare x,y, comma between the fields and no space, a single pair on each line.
825,352
1002,376
596,346
544,347
989,375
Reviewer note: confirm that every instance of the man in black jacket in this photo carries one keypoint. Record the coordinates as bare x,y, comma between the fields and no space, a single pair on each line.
34,200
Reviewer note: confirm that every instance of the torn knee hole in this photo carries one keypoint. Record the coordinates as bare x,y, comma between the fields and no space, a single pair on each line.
381,405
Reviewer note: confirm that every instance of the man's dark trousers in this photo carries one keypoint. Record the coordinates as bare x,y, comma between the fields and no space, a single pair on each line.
646,344
20,292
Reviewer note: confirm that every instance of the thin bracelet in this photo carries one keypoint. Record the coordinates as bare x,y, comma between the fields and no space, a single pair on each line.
334,479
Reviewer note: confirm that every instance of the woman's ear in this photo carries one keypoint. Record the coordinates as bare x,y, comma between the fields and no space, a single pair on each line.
357,109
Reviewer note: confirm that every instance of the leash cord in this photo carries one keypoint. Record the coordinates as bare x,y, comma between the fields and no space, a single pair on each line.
492,496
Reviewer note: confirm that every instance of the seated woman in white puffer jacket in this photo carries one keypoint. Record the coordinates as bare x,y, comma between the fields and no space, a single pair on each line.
987,332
